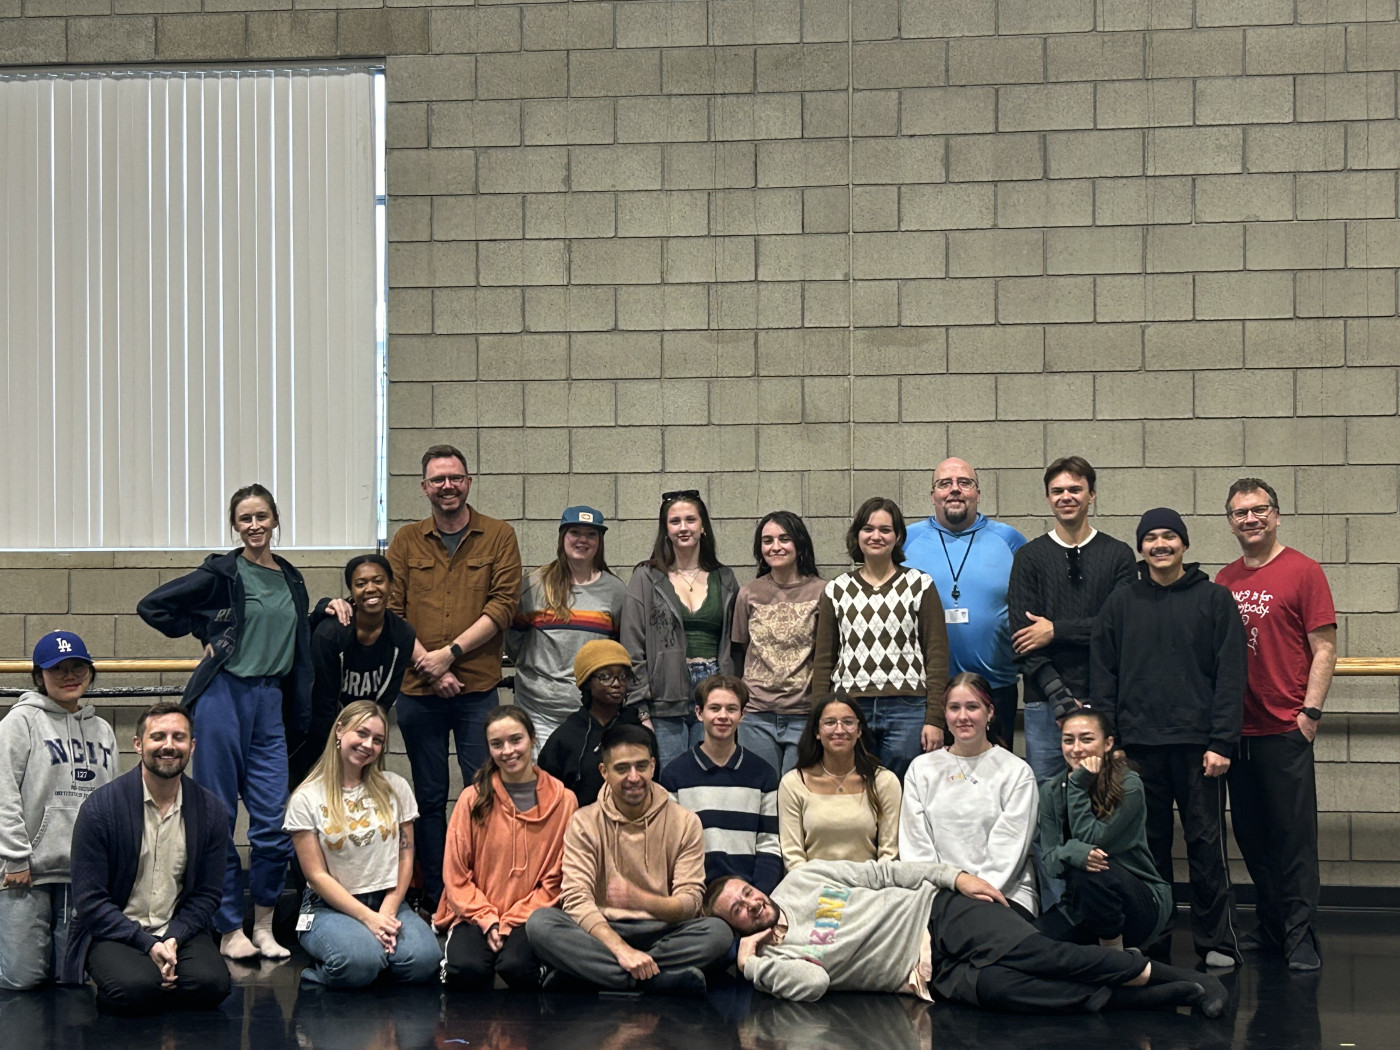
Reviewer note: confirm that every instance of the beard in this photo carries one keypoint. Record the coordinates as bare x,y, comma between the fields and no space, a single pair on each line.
956,515
167,767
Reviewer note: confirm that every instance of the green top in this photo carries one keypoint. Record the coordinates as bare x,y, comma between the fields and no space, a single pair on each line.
268,639
1069,830
702,626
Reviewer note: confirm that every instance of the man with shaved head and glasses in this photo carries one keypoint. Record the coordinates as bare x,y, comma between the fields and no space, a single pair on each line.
969,557
1290,628
1059,581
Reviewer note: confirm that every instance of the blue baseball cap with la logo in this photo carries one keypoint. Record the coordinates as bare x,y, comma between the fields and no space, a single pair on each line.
57,646
583,516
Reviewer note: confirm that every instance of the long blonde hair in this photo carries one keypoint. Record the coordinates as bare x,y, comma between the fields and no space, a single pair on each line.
329,771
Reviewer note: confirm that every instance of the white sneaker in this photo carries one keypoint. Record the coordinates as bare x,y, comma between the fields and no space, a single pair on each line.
1219,960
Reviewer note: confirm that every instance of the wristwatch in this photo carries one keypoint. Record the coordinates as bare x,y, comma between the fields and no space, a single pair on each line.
1313,713
456,650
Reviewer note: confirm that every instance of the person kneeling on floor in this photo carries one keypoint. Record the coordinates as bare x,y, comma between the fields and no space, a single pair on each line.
890,926
148,869
634,874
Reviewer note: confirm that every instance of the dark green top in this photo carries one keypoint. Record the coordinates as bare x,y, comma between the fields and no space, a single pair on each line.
267,641
1069,830
702,627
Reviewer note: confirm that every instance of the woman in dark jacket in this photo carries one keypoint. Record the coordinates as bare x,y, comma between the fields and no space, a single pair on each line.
363,659
678,620
248,607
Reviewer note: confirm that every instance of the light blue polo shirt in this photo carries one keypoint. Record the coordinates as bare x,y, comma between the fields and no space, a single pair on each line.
983,643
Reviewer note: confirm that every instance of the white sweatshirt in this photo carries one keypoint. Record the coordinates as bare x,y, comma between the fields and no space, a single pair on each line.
979,814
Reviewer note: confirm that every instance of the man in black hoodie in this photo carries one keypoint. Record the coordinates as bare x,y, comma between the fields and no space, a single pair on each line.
1167,662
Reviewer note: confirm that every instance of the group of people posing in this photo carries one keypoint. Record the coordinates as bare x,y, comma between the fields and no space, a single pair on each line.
823,768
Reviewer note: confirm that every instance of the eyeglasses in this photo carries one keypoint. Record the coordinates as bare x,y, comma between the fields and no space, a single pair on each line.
1075,573
1261,512
60,671
446,479
844,723
612,677
679,494
944,484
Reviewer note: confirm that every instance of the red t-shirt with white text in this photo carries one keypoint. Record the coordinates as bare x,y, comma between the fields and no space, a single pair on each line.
1279,603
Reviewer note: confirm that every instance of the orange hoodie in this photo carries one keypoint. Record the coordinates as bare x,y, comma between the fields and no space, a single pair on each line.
499,872
662,851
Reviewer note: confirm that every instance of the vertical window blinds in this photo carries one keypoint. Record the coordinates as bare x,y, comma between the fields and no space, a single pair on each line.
188,289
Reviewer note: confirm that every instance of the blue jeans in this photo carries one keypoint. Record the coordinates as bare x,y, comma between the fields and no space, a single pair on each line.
349,956
676,734
426,722
1043,752
896,724
772,737
33,933
243,752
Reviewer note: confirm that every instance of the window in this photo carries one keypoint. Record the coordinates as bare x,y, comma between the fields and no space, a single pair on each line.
192,298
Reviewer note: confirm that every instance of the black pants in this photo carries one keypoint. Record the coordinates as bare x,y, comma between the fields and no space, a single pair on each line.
470,964
988,955
1273,809
128,982
1113,903
1044,976
1173,773
1004,699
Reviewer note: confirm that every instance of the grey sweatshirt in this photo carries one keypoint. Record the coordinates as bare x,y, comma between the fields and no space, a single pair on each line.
851,926
50,761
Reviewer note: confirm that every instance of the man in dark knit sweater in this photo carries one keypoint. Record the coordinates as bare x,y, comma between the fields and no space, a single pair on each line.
148,868
1059,583
1168,669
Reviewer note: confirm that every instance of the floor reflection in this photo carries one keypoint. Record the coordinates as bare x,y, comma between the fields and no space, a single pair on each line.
1353,1001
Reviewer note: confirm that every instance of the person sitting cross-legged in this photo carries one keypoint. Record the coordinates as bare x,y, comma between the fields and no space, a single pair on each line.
634,872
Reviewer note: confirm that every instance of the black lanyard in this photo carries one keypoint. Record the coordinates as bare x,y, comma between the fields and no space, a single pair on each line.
956,594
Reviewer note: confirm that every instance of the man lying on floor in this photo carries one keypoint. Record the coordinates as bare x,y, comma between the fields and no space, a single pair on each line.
887,926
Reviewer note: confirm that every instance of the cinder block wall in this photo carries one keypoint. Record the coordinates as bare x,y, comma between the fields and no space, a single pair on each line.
793,252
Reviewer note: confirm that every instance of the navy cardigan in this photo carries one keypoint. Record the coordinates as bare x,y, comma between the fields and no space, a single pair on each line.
208,603
106,848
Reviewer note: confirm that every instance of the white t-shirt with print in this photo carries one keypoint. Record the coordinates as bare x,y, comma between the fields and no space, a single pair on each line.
362,856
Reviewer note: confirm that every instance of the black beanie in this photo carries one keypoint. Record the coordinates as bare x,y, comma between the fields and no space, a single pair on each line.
1162,518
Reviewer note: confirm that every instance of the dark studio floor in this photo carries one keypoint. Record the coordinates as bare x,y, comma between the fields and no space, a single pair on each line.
1355,1001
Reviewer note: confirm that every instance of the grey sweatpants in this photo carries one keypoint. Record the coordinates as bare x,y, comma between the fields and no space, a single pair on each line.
563,944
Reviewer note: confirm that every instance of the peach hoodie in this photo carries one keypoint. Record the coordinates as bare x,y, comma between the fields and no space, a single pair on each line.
498,873
662,851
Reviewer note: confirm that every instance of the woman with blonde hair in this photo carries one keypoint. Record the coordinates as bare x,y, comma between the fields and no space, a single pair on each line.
351,822
504,860
573,600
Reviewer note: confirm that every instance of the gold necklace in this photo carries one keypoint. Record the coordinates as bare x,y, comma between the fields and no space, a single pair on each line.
841,780
688,577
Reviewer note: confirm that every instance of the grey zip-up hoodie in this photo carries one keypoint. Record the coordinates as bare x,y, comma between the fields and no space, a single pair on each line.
50,761
655,638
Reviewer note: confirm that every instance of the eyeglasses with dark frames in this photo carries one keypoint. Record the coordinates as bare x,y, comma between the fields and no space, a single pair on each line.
1262,511
680,494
